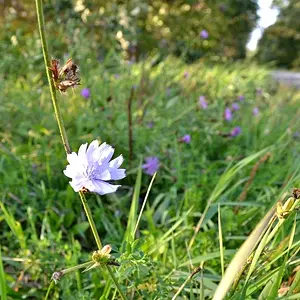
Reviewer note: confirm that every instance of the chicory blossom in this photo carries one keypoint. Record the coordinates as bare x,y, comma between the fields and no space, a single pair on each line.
227,114
151,166
186,74
236,131
241,97
255,111
186,139
85,93
235,106
92,167
259,91
202,102
204,34
150,124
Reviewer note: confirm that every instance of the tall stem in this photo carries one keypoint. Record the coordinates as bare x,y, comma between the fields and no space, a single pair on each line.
59,119
63,134
91,220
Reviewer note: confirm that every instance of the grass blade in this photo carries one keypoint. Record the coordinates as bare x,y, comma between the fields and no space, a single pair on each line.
242,256
144,203
132,218
221,240
2,280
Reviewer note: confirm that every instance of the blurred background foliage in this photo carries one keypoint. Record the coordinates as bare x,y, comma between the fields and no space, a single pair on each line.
213,30
281,42
135,28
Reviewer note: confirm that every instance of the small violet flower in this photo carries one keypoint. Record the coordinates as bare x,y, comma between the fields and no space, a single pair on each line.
186,74
150,124
185,139
259,91
235,106
202,102
241,97
255,111
204,34
92,167
151,165
85,93
236,131
227,114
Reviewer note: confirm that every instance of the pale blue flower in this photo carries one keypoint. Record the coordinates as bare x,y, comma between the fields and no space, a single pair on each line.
203,102
235,106
227,114
236,131
204,34
186,139
85,93
91,168
255,111
151,166
259,91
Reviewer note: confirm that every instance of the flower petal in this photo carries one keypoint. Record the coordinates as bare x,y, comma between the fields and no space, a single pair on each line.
91,149
117,174
102,187
82,150
72,157
116,163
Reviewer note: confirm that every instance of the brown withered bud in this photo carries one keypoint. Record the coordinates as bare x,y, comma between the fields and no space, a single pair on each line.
296,193
84,190
54,69
66,76
68,67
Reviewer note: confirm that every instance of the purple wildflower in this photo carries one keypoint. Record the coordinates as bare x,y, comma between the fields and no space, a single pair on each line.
259,91
241,97
186,74
204,34
255,111
150,124
236,131
186,139
227,114
296,134
202,102
151,166
235,106
117,76
85,93
92,168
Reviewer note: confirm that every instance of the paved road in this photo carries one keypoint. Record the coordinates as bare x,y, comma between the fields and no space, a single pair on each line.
287,77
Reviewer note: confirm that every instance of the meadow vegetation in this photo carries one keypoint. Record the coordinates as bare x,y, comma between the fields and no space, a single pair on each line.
225,139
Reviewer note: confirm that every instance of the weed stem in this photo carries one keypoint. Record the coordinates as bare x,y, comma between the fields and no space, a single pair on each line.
63,134
59,119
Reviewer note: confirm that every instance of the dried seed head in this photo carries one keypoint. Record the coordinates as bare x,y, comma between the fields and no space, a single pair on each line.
66,76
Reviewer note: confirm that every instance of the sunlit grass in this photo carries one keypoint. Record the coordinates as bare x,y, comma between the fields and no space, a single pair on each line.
43,221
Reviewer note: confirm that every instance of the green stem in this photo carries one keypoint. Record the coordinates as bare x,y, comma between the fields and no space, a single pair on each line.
63,134
98,240
49,289
75,268
59,119
91,220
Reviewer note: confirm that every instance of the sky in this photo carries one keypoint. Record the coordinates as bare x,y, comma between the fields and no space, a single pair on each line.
267,17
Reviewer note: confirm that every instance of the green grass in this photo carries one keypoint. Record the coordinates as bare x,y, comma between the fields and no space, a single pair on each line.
44,229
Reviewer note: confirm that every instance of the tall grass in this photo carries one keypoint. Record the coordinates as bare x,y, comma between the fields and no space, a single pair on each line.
173,236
